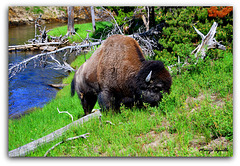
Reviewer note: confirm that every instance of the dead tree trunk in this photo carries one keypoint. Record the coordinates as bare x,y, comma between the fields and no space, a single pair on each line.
208,42
70,30
93,19
152,20
146,20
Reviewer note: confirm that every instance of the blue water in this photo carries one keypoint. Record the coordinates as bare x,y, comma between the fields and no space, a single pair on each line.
29,88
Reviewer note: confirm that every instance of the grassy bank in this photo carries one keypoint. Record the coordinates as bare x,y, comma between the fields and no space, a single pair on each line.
195,117
81,30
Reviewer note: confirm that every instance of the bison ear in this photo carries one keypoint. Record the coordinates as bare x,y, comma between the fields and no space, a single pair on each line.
148,78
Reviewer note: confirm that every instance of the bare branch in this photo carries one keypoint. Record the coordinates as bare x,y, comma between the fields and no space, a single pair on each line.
200,33
66,113
110,122
147,45
15,68
69,139
113,19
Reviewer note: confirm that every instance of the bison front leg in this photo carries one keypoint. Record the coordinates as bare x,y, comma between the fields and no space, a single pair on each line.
107,101
88,102
130,102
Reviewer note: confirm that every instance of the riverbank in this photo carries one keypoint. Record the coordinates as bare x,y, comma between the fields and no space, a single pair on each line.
22,15
82,30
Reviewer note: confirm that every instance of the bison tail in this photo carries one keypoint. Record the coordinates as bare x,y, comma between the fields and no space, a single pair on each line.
73,88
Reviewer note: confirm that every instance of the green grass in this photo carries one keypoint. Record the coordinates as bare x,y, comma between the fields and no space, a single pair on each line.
81,30
198,110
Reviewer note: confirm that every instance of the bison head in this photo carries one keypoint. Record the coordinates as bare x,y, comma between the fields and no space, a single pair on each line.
152,81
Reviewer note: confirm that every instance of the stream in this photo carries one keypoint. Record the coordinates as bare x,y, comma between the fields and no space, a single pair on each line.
29,88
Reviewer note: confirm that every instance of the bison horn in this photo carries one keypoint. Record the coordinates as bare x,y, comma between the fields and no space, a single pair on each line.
148,78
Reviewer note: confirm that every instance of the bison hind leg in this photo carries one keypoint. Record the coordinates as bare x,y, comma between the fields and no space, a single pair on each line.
88,102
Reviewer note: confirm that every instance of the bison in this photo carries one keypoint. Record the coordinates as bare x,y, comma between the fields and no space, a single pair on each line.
117,73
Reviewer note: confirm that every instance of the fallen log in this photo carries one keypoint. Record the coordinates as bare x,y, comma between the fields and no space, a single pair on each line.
57,85
25,149
36,45
21,65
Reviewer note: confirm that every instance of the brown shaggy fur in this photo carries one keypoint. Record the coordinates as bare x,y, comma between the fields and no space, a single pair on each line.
121,59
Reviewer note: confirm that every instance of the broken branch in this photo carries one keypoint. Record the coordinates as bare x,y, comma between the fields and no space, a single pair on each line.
113,19
208,42
66,113
69,139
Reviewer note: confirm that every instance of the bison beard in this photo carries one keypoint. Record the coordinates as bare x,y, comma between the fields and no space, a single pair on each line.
116,73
